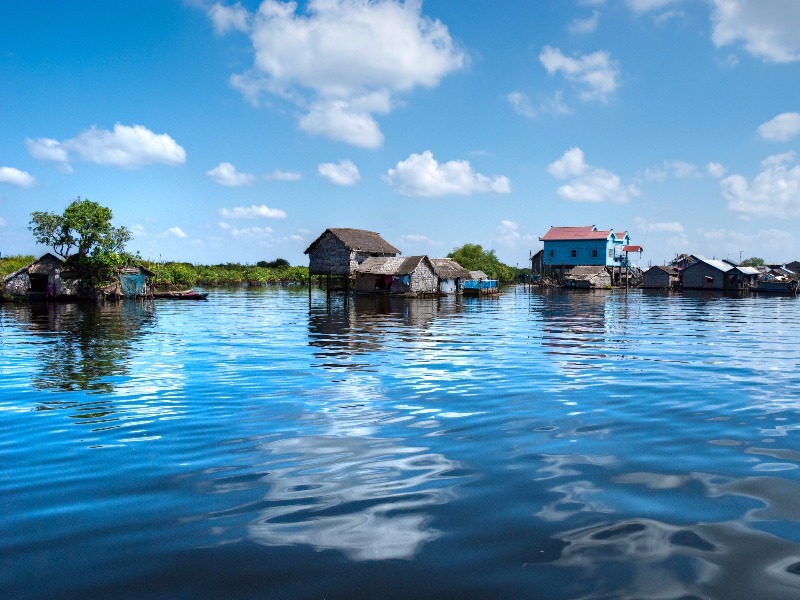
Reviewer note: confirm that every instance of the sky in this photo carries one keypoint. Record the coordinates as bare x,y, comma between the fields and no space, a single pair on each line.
238,132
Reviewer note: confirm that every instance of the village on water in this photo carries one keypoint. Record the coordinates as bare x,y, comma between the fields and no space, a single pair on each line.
362,262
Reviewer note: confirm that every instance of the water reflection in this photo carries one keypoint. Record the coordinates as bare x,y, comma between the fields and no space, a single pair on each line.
81,346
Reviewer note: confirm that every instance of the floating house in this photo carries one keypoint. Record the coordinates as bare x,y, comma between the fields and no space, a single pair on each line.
588,277
45,278
409,276
710,274
340,251
661,277
479,284
451,275
568,247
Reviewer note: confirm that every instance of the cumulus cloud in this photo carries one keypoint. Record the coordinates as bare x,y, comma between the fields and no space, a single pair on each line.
331,59
715,169
344,173
658,227
253,212
418,239
587,25
774,192
588,183
16,177
781,128
596,75
226,174
229,18
768,29
681,169
507,234
176,232
423,175
129,147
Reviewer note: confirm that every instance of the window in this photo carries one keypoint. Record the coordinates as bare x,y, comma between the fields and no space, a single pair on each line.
574,253
551,254
594,253
610,253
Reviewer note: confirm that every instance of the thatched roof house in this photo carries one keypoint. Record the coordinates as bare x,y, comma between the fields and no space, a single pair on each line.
45,277
338,251
450,274
588,276
409,276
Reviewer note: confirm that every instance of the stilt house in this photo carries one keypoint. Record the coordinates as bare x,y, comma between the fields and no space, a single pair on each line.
45,277
410,276
451,275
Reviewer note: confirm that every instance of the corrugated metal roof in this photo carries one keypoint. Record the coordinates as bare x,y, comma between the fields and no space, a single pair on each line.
632,248
587,232
390,265
749,270
359,240
447,268
665,268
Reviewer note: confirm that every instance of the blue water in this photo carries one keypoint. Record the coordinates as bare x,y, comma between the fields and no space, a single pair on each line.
536,445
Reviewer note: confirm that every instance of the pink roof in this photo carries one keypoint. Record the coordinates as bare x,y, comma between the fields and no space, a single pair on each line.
631,248
588,232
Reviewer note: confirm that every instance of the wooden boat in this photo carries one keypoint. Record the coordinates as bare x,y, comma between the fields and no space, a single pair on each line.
776,286
182,295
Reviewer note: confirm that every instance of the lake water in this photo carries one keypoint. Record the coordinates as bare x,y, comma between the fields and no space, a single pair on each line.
539,445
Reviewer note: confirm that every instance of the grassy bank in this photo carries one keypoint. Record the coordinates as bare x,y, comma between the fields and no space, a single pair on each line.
178,274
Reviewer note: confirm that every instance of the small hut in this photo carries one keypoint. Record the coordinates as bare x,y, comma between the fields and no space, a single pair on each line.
587,277
662,277
479,284
410,276
450,274
45,277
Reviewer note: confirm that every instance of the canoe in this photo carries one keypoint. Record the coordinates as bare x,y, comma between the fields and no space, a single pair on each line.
183,295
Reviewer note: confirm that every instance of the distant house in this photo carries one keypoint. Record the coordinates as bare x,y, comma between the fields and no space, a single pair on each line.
681,261
479,284
660,277
587,277
45,277
341,251
585,245
793,266
710,274
451,275
409,276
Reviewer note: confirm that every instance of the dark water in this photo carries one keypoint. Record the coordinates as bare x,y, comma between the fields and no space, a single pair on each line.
552,445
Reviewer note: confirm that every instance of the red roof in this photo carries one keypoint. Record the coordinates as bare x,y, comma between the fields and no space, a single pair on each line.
588,232
632,249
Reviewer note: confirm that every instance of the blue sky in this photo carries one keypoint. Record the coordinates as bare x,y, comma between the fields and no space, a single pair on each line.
238,132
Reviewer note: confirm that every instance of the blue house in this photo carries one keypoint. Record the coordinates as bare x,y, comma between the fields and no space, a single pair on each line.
587,245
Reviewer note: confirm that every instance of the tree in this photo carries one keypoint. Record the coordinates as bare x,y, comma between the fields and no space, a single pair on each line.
278,263
474,258
752,262
84,237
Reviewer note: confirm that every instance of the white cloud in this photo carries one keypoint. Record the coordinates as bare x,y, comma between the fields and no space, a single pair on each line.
767,28
226,174
278,175
3,222
658,227
681,169
344,173
128,147
423,175
774,192
331,59
254,232
588,183
175,232
229,18
418,239
587,25
644,6
253,212
16,177
715,169
507,234
781,128
523,105
596,74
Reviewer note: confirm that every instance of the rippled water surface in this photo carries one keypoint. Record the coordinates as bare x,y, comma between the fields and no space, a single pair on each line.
536,445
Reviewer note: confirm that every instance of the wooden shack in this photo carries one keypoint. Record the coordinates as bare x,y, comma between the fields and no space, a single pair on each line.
588,277
44,278
451,275
660,277
409,276
340,251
